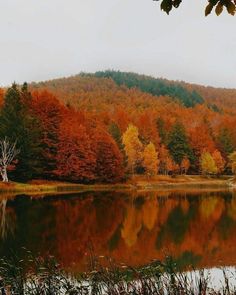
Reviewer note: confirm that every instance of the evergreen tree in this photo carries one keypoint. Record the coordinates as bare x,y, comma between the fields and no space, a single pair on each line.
225,141
115,132
178,144
161,130
18,124
154,86
10,120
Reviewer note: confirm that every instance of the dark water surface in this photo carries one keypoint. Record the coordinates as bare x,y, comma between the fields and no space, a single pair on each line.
195,227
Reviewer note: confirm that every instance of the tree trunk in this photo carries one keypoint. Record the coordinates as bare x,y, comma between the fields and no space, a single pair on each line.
4,174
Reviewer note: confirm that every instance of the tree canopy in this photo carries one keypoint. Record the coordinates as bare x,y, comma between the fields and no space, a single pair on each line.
91,129
153,86
217,5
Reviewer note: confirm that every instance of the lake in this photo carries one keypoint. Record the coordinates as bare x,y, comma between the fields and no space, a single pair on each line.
196,227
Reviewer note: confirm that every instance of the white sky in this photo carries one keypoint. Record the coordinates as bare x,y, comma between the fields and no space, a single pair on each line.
45,39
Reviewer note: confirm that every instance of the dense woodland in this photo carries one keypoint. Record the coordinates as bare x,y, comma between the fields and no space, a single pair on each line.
106,126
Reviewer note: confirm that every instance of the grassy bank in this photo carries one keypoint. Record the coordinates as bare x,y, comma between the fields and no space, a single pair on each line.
136,182
43,186
37,275
180,181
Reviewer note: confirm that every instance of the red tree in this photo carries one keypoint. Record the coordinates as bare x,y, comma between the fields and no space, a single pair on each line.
109,166
75,159
50,113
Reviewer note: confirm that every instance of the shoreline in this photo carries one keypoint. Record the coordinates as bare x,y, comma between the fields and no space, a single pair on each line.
136,183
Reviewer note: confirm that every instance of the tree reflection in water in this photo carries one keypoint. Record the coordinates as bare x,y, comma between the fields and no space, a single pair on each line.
196,227
7,220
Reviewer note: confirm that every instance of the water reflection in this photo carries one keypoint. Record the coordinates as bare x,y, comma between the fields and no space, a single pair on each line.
7,220
197,228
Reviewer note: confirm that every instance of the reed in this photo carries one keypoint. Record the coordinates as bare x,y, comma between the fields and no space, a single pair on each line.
44,276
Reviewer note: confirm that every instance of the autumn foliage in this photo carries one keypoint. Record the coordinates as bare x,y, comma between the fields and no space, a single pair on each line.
102,127
150,160
75,159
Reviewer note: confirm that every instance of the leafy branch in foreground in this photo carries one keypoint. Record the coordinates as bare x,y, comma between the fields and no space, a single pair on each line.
218,5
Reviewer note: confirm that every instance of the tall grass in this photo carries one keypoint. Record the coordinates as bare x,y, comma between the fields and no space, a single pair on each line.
44,276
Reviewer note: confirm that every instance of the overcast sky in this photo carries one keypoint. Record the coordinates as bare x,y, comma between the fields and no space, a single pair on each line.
45,39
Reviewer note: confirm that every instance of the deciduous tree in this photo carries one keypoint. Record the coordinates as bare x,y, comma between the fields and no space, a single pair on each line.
150,160
185,165
219,161
170,165
49,113
109,160
232,158
8,152
133,147
208,165
76,161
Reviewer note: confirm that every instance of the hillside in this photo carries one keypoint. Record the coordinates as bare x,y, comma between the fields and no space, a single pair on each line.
100,127
86,85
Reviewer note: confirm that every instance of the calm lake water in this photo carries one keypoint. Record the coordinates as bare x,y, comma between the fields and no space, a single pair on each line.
195,227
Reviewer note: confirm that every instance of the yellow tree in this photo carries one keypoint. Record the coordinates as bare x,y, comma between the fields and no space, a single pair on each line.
150,160
207,163
219,161
185,164
133,147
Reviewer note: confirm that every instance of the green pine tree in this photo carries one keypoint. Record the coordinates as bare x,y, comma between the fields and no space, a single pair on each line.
161,130
225,141
115,132
17,123
178,144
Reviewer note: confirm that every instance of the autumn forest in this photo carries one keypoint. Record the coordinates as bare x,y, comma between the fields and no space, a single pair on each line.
104,127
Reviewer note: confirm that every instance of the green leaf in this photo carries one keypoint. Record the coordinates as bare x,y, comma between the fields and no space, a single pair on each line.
208,9
219,8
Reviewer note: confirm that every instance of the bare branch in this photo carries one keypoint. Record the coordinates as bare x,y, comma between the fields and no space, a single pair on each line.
8,152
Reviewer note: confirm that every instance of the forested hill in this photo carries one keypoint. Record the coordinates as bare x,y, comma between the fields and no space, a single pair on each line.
76,87
157,87
100,127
